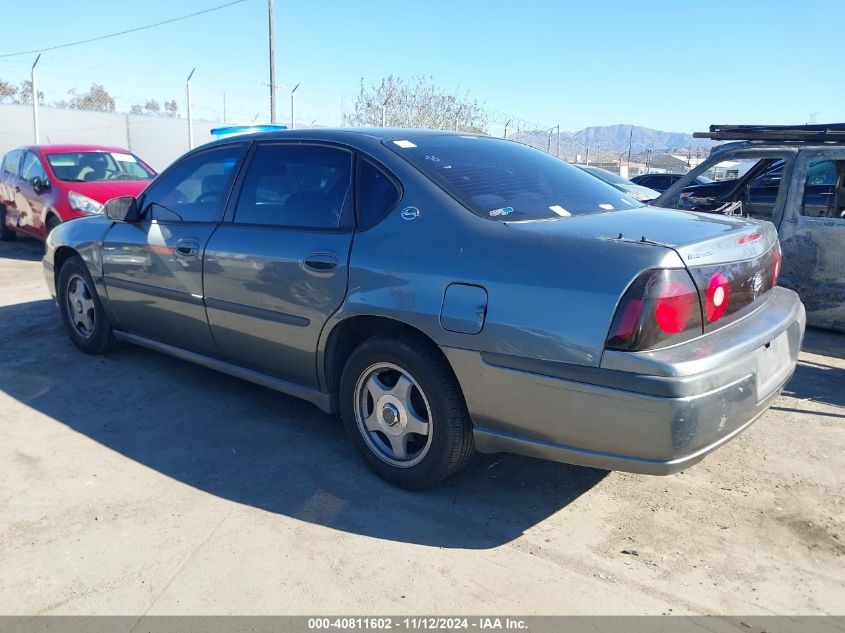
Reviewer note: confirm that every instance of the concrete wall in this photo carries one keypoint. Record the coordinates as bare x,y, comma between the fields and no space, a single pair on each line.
157,140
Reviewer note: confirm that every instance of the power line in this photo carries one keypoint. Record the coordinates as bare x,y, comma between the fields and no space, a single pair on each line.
136,29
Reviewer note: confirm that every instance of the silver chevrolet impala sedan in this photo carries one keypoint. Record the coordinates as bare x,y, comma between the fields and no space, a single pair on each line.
444,293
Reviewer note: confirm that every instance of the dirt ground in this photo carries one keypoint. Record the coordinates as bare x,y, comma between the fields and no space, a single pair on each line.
139,484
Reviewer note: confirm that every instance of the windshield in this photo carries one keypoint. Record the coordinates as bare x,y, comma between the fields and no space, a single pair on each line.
607,176
98,167
505,180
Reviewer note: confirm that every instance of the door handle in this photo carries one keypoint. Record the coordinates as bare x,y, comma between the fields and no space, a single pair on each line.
187,248
321,262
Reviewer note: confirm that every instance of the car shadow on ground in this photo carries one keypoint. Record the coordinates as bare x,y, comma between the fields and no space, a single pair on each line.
818,380
254,446
22,248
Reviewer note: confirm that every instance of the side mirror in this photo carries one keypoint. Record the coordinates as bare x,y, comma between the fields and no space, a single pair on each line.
38,185
123,209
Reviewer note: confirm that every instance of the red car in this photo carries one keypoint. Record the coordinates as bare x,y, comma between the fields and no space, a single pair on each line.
43,185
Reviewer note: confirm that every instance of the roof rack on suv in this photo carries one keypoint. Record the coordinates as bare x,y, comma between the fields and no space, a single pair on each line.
825,132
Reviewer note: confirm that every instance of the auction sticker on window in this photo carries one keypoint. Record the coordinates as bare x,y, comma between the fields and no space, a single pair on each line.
123,158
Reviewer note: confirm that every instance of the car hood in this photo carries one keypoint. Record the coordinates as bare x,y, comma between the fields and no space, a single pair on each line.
105,191
699,238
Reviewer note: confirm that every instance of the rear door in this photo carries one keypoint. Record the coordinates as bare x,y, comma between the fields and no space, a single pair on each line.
153,268
9,189
278,269
813,237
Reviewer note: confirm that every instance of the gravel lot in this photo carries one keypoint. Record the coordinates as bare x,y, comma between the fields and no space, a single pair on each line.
139,484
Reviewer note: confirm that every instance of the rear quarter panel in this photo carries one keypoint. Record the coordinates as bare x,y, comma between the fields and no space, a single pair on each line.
549,297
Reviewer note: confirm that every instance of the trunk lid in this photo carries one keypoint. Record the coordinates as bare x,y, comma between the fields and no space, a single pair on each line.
732,261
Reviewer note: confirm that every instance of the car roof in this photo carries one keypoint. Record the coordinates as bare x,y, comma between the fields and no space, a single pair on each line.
65,148
338,135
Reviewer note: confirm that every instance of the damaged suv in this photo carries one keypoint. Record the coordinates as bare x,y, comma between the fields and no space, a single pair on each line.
794,177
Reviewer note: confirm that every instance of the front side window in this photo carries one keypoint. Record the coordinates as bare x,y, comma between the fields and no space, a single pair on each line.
32,168
303,186
507,181
97,166
377,194
824,190
12,161
195,189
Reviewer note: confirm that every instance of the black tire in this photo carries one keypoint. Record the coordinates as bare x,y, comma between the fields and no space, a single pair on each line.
434,389
52,222
6,234
98,338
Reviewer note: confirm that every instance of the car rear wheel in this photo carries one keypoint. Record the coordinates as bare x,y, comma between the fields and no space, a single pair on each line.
6,234
403,409
82,313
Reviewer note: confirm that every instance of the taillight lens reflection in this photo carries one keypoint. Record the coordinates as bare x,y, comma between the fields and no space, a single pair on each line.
718,295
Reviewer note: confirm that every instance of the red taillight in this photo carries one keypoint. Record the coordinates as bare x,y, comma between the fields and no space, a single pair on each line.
718,294
675,306
776,264
661,307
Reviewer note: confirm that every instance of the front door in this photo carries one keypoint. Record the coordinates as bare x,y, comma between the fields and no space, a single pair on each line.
153,269
812,237
277,271
31,203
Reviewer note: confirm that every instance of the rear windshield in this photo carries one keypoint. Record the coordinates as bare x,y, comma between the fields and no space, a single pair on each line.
98,166
508,181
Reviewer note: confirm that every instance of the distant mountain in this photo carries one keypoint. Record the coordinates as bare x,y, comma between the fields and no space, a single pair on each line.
615,138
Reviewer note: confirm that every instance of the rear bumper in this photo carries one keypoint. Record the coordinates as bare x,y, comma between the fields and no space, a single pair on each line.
652,413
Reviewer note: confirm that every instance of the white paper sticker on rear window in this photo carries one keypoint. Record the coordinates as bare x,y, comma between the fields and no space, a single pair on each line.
560,211
123,158
404,144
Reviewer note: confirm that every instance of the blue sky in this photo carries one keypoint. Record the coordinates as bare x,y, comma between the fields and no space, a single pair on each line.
670,65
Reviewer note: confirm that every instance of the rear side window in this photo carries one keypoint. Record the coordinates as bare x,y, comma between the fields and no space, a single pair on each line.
303,186
505,180
377,194
12,161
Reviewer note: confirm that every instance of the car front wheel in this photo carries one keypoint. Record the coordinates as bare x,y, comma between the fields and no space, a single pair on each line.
403,409
82,313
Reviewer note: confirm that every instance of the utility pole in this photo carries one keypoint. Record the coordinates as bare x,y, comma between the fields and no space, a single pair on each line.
630,142
34,82
549,146
457,117
190,114
506,127
293,106
272,29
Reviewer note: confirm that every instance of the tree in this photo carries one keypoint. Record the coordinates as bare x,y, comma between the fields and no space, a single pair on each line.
25,93
97,98
154,108
416,103
8,92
